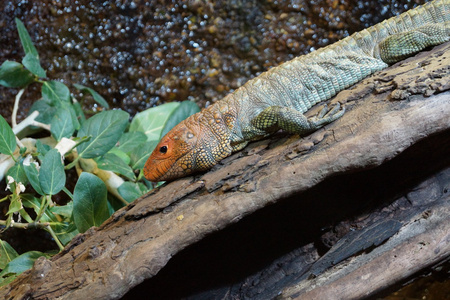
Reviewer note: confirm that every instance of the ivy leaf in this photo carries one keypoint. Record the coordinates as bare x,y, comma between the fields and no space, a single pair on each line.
184,110
105,130
7,138
52,177
14,75
90,206
97,97
55,92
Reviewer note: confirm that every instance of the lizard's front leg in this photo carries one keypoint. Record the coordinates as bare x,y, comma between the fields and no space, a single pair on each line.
278,117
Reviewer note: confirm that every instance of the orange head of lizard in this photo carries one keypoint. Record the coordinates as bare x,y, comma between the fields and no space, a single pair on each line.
189,147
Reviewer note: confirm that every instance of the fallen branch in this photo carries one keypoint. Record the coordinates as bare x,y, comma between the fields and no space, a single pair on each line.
139,240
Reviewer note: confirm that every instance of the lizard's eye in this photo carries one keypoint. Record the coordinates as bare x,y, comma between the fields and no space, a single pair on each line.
163,149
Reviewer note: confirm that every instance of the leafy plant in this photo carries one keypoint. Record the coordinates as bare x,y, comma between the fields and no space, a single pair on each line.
106,151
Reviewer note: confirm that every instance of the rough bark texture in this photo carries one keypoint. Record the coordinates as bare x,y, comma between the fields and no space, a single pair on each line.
386,114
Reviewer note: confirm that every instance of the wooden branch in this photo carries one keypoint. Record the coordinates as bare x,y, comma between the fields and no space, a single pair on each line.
421,242
139,240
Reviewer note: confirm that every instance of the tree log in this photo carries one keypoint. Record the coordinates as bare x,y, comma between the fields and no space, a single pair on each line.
386,114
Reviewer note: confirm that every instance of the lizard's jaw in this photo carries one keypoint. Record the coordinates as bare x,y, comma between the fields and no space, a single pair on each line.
157,170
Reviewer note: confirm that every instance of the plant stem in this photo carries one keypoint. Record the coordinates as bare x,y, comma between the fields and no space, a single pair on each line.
15,108
41,125
26,225
19,143
52,233
33,225
73,163
26,122
44,204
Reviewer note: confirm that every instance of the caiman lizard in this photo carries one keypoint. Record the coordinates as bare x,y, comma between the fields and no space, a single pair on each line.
278,98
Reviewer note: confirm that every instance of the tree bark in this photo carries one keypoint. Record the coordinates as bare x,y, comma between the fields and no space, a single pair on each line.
388,113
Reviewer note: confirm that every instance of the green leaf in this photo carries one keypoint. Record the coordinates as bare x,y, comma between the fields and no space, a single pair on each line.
62,124
122,155
65,231
7,280
131,140
152,121
73,115
15,204
114,204
31,59
52,177
24,214
79,112
184,110
46,111
63,210
111,162
29,201
7,254
99,99
22,262
32,63
18,173
42,149
131,191
14,75
90,206
25,39
7,138
55,92
140,155
105,129
33,176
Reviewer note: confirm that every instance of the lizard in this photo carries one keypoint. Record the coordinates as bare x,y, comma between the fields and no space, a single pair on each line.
278,98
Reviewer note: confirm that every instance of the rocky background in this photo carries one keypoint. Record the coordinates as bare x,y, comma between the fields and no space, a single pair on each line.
138,54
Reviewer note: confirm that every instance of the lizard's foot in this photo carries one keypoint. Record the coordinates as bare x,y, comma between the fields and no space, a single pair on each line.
326,116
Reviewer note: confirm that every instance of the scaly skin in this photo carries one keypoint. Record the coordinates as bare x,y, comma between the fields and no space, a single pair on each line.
278,98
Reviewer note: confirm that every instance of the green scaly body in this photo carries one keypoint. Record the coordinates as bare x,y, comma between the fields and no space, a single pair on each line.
278,98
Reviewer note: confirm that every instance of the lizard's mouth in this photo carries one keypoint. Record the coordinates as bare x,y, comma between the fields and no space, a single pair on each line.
155,170
161,169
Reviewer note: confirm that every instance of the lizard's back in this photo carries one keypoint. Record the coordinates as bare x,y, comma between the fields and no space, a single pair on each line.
319,75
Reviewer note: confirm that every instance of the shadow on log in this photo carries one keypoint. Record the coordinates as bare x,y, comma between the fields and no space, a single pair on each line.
330,237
